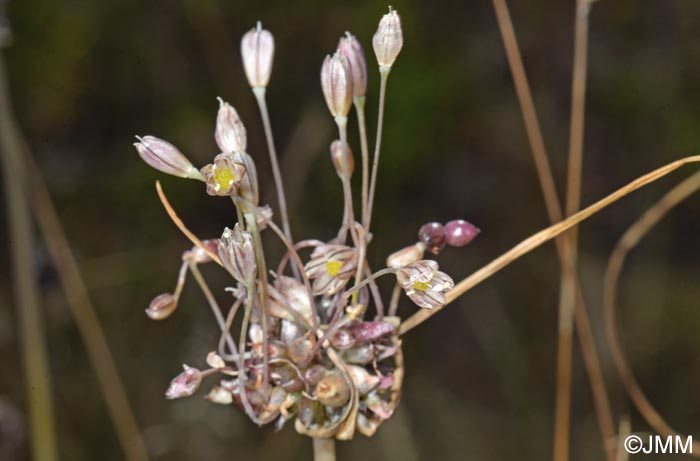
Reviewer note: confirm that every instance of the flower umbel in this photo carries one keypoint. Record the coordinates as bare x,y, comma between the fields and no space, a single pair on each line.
424,283
223,175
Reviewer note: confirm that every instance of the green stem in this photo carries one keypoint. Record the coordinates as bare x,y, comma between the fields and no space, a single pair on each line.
31,325
384,74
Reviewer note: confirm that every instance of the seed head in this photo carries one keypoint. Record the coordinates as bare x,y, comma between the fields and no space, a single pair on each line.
388,39
230,133
350,47
258,51
165,157
424,283
237,254
336,83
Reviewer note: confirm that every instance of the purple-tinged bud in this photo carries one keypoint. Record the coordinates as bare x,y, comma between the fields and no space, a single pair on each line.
162,306
258,50
433,236
350,47
237,254
388,39
230,132
337,155
406,255
165,157
333,390
336,83
366,332
363,380
198,255
459,232
214,360
184,384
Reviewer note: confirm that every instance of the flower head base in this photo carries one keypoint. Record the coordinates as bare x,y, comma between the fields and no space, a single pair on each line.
388,40
237,254
258,50
330,267
230,133
184,384
424,283
350,47
223,175
336,83
165,157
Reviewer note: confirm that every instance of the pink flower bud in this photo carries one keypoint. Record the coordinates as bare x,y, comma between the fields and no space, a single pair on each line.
337,155
257,50
184,384
336,83
365,332
388,39
350,47
459,232
433,236
165,157
161,306
230,133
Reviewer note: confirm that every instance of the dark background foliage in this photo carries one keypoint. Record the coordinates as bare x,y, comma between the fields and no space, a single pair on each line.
88,75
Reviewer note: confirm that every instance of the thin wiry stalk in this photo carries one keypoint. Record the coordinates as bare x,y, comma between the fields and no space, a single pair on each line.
348,214
568,284
279,186
233,356
211,300
384,76
359,102
553,206
542,237
27,305
612,278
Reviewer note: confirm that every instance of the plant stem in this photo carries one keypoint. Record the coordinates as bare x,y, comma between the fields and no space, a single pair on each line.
359,102
262,104
612,277
27,305
542,237
349,213
384,75
324,449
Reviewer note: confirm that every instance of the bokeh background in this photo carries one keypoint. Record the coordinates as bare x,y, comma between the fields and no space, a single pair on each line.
87,76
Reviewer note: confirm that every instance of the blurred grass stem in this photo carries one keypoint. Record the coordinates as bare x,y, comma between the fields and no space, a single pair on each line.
26,289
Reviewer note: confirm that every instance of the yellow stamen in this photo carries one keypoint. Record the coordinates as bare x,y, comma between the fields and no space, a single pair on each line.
333,267
420,286
224,177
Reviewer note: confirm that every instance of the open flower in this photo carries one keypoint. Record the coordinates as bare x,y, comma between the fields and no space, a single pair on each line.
424,283
331,267
223,175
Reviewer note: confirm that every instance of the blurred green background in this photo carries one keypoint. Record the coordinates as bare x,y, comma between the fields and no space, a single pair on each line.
86,76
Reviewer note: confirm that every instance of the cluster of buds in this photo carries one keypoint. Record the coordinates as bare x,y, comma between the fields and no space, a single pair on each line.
316,345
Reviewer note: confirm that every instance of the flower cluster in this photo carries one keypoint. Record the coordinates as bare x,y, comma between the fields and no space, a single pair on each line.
317,344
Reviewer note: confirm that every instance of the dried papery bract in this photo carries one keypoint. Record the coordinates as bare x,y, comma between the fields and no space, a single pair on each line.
237,253
388,40
165,157
351,48
424,283
230,132
224,175
258,51
338,155
336,83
